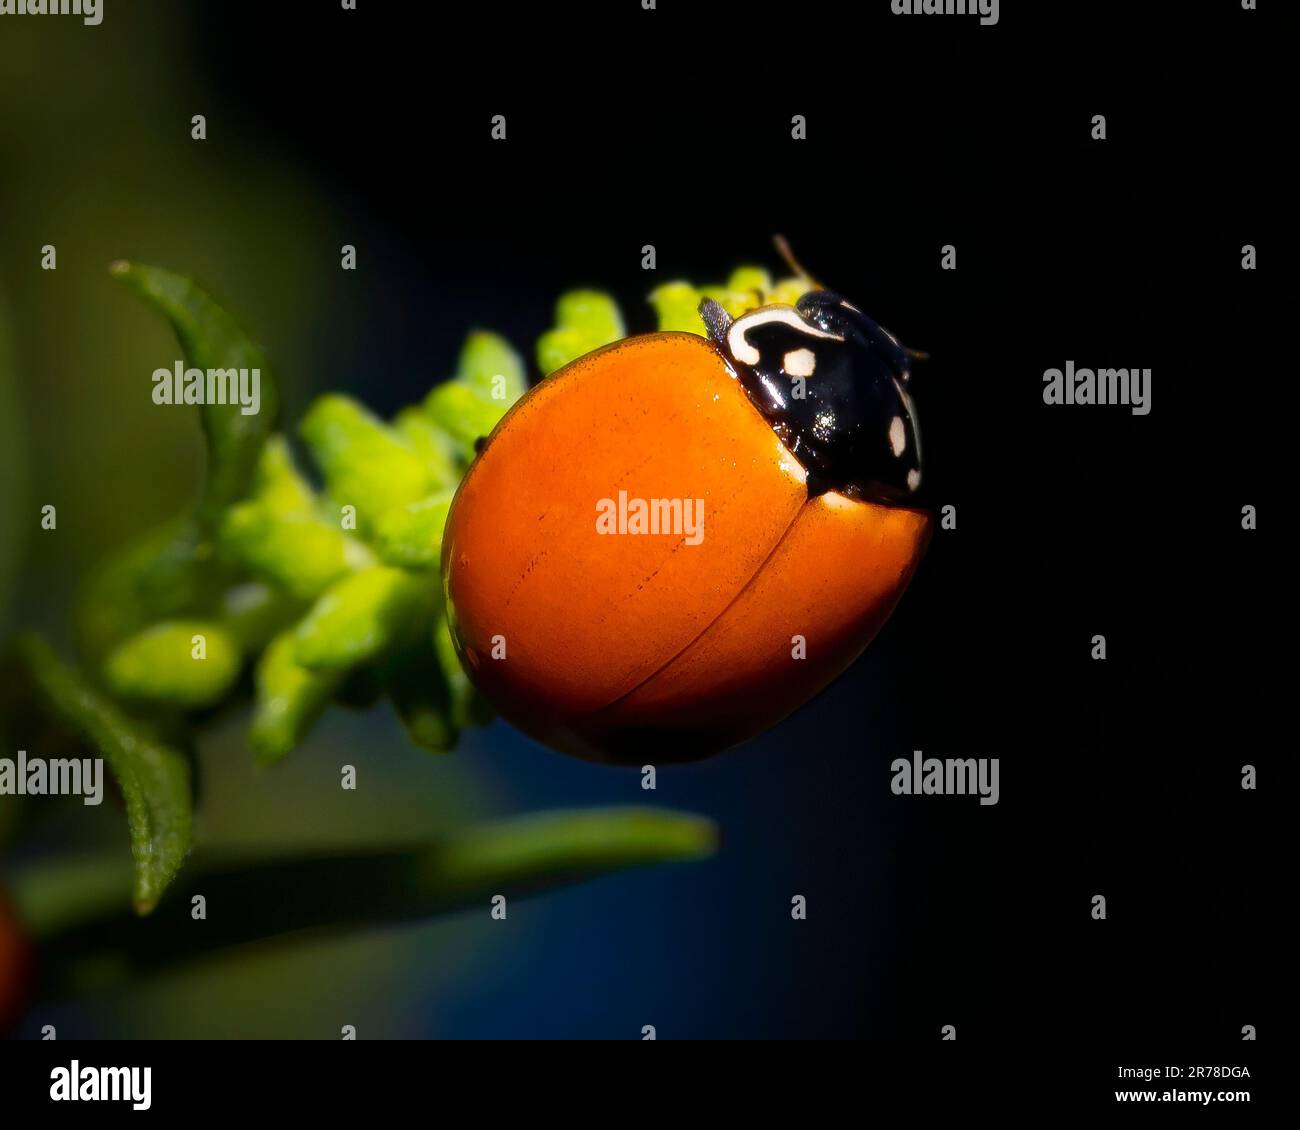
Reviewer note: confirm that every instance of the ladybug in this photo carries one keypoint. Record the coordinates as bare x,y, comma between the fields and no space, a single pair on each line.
675,541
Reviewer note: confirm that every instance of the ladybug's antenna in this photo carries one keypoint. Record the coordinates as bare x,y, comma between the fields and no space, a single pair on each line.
783,249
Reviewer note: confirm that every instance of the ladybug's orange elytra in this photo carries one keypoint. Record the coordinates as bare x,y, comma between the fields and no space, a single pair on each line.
666,645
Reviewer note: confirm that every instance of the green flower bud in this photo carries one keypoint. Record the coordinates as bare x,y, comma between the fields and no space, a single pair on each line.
297,552
751,280
411,536
361,616
584,320
789,291
364,463
490,368
278,484
676,304
463,415
289,699
254,613
184,663
439,453
734,302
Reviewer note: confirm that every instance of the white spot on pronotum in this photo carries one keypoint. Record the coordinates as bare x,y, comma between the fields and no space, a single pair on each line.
897,435
799,363
741,350
913,479
737,335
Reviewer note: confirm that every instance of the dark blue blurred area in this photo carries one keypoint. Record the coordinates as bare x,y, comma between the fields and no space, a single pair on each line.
712,951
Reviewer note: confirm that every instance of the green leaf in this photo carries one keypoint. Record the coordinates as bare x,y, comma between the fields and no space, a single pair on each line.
364,463
154,778
212,340
411,536
158,665
584,320
360,617
66,903
288,699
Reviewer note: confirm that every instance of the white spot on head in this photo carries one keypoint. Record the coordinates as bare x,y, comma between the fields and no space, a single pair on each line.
799,363
913,479
897,435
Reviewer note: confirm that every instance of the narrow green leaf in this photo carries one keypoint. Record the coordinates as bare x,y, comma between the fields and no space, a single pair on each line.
183,663
361,616
213,341
65,903
154,778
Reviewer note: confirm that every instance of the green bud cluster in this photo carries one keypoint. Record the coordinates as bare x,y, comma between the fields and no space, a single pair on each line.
306,594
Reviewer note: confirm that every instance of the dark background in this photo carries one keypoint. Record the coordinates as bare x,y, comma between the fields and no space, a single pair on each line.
1119,778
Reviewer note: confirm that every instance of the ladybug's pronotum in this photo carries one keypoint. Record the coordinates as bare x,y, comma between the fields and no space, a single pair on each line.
788,443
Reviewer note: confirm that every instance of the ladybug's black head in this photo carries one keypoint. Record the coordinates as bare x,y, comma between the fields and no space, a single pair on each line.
833,385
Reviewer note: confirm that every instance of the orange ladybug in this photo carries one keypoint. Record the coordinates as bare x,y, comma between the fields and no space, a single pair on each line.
673,542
